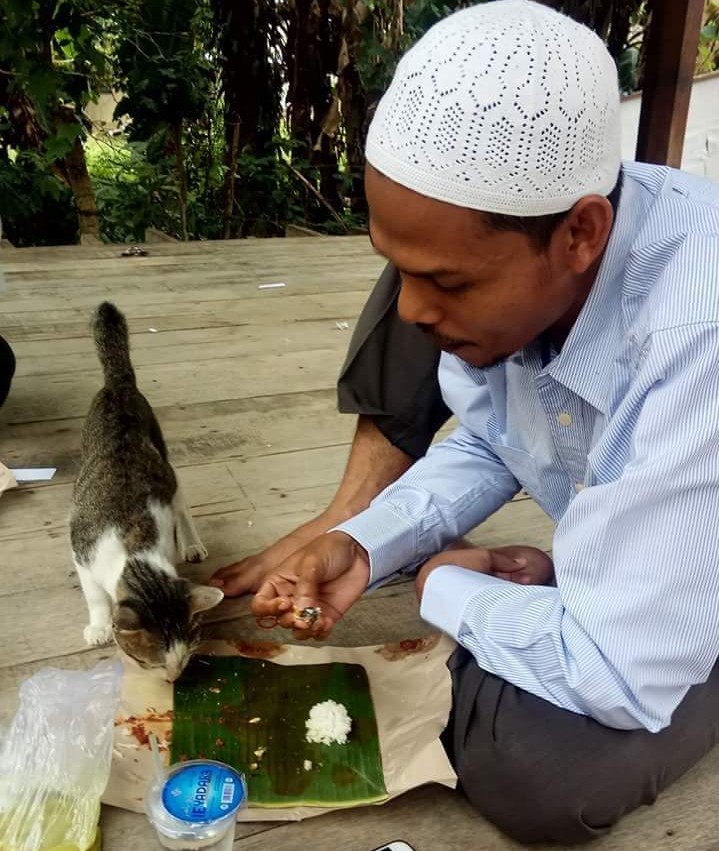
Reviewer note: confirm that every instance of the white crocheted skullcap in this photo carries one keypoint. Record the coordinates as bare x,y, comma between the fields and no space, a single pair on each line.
506,107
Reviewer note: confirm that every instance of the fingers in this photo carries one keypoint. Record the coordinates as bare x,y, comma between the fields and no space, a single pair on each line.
502,562
307,588
227,572
235,579
273,598
521,577
318,631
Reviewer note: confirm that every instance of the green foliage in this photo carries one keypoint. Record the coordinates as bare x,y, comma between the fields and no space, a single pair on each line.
135,191
384,41
708,57
35,207
53,62
196,74
130,190
162,64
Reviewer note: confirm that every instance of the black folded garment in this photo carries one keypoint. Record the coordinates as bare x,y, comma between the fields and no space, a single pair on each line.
7,368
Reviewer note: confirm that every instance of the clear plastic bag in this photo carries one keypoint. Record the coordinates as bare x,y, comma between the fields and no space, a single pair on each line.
55,759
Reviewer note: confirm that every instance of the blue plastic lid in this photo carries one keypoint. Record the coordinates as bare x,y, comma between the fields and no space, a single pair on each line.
203,792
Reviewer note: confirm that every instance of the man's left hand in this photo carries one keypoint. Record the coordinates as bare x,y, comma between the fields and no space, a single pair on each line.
523,565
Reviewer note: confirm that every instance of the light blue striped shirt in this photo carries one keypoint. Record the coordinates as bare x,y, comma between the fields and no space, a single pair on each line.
617,439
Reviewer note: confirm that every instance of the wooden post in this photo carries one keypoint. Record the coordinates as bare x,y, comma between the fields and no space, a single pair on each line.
671,58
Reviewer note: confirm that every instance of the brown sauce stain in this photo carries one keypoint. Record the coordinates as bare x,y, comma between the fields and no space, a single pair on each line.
258,649
394,651
139,727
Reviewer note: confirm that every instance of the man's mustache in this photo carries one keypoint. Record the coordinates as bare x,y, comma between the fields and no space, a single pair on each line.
446,343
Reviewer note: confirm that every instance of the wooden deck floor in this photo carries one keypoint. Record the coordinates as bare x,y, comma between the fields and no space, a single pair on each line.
242,380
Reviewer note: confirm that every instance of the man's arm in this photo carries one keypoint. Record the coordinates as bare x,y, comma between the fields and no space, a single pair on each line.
634,620
456,486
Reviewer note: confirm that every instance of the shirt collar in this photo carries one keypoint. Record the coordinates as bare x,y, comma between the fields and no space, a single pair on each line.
585,363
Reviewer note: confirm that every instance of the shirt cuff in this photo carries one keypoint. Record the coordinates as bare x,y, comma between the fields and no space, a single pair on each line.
447,593
388,538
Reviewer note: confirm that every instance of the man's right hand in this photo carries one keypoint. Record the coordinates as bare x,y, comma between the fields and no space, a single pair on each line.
330,573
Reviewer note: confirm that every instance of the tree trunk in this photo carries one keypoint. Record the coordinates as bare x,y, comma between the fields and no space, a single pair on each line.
230,177
354,104
74,169
181,177
311,57
248,33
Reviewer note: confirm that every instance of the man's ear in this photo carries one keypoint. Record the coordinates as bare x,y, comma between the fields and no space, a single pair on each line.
587,229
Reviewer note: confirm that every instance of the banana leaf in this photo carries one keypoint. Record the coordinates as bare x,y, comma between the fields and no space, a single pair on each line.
251,715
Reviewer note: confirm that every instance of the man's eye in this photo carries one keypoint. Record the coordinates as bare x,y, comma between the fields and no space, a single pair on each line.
455,289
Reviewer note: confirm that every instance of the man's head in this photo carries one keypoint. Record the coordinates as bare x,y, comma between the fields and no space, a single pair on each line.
489,162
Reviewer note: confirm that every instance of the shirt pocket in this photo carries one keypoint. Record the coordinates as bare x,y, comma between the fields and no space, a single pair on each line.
522,465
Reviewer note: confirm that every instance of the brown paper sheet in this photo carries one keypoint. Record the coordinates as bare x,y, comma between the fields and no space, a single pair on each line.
7,480
411,690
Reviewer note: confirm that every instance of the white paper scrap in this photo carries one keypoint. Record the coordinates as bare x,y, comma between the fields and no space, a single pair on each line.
271,286
33,474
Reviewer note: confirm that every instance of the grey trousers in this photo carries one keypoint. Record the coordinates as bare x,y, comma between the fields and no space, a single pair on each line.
390,373
543,774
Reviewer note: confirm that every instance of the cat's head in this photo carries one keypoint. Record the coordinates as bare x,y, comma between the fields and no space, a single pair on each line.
156,622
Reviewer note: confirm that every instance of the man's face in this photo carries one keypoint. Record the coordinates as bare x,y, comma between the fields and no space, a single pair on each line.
481,294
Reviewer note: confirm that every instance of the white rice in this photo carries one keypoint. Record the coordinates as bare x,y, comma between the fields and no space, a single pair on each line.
328,723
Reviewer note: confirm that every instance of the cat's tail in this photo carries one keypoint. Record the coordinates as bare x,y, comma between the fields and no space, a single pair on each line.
109,328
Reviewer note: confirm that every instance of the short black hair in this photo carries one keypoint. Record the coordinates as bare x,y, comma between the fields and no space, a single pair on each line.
539,229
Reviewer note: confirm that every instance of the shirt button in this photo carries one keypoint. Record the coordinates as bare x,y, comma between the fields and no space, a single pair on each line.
578,487
565,419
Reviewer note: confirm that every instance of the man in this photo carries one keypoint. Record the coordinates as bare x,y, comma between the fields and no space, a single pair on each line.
577,304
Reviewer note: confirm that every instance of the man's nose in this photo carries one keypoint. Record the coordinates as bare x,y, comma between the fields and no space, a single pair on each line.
417,302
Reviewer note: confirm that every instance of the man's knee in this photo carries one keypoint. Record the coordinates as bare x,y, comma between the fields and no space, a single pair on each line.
530,806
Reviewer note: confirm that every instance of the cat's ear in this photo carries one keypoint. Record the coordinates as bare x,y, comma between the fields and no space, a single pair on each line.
204,597
125,619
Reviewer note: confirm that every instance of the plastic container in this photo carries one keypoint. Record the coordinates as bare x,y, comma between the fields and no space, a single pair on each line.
195,805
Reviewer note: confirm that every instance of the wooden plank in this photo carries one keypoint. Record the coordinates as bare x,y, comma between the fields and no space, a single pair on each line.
61,396
240,249
76,354
259,426
186,314
209,489
673,40
217,284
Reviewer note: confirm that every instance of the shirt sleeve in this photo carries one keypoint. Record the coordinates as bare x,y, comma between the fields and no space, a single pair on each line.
633,622
457,485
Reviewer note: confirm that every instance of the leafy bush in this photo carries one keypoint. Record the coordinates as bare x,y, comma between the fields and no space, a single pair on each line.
131,191
35,207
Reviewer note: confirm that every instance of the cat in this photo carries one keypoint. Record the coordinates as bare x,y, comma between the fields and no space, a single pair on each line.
129,520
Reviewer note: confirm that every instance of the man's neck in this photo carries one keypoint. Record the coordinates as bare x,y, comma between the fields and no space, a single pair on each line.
559,332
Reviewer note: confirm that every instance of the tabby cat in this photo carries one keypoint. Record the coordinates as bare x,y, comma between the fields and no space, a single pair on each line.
130,522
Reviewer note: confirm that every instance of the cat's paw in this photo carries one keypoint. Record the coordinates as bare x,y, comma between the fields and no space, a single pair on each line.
195,553
97,635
